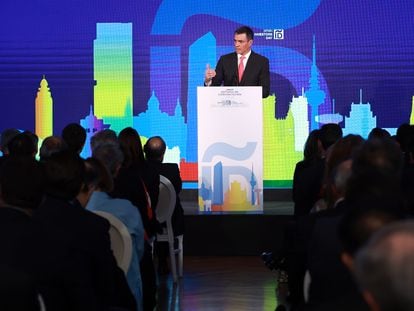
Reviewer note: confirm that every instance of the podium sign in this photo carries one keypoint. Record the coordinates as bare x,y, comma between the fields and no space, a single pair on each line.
230,149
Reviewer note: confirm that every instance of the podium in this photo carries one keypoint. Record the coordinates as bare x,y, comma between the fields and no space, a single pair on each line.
230,149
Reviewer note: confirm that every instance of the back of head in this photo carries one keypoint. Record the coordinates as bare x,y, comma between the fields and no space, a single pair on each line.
51,145
403,133
385,267
376,171
329,134
22,182
155,149
64,172
312,150
103,137
131,146
22,145
362,220
6,137
75,136
110,155
97,176
378,133
342,150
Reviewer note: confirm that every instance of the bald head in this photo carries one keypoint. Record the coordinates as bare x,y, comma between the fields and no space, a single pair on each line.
155,149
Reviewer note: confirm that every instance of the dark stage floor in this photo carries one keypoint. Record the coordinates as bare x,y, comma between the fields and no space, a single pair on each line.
220,283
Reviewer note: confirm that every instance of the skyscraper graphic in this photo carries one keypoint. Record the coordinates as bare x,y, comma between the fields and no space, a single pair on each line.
153,122
201,52
315,95
278,146
218,194
299,108
113,92
43,111
361,119
91,124
253,184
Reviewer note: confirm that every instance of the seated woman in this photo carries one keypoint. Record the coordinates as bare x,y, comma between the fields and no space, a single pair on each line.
101,169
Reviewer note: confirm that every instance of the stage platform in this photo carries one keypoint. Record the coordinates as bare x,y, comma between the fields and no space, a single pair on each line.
236,234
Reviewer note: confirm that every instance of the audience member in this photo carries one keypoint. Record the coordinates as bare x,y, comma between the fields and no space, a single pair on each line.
6,136
384,268
75,136
22,145
340,151
139,183
21,184
154,151
378,133
355,229
308,175
104,166
103,137
51,145
374,178
78,270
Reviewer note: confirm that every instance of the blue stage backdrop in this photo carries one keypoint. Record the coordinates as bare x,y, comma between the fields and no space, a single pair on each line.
112,64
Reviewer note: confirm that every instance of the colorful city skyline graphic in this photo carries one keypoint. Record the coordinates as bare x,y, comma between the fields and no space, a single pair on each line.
284,138
137,64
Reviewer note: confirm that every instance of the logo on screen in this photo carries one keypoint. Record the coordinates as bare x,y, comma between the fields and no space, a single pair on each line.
278,34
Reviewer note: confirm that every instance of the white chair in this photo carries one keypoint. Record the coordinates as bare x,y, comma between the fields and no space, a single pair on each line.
121,241
165,208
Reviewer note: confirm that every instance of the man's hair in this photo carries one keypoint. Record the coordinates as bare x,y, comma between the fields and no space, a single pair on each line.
6,136
22,145
376,171
385,267
103,137
329,134
96,174
362,220
247,30
22,182
155,148
75,136
64,171
110,155
51,145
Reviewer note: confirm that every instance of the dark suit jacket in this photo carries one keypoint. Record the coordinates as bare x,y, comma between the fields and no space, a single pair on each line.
256,72
74,265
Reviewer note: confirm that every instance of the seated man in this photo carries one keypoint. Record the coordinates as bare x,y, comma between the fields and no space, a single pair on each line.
78,270
21,183
384,268
154,151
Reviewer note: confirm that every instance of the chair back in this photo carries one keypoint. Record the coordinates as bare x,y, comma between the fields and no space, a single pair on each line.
121,241
166,200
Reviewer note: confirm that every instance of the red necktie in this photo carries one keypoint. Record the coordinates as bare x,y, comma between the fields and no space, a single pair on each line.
241,68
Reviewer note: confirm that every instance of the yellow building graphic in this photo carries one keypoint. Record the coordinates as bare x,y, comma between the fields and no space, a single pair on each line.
43,111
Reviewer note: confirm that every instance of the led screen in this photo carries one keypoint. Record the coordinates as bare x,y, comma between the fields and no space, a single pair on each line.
113,64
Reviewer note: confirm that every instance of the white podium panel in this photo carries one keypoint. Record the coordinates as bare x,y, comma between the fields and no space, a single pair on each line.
230,149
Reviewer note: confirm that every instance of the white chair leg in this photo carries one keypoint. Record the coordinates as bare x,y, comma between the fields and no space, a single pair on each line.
172,259
180,256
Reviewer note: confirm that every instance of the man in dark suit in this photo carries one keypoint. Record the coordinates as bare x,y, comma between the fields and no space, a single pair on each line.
154,151
242,67
77,269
